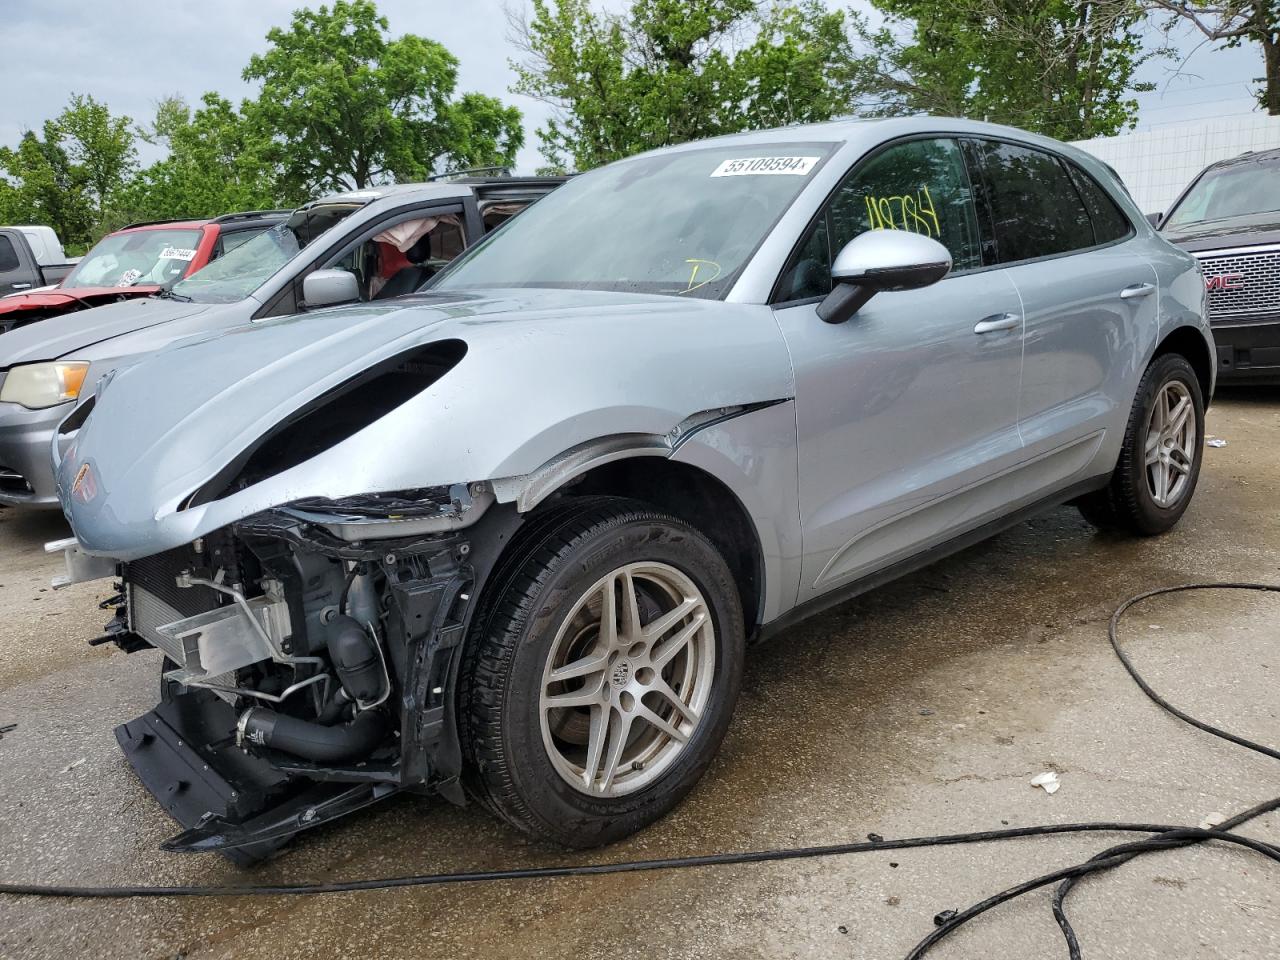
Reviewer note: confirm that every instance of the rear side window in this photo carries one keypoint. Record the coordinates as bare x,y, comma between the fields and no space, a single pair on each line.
1109,223
8,256
1036,210
918,185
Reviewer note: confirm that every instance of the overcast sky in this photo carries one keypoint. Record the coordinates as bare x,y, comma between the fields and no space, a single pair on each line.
130,55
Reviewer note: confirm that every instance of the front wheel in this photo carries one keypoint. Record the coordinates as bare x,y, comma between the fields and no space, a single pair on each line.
602,674
1160,460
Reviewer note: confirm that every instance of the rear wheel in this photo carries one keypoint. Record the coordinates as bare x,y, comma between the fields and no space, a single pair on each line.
603,673
1159,464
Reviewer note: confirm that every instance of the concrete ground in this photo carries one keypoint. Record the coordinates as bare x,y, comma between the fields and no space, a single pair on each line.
925,707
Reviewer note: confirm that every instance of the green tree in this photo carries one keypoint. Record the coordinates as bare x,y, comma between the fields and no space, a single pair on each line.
217,162
668,71
345,105
101,147
69,177
1233,23
1064,68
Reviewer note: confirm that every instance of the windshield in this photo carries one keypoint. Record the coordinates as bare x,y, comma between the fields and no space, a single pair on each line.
138,257
241,271
681,223
1235,191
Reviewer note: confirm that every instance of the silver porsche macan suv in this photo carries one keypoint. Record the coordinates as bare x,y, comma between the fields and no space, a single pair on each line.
507,538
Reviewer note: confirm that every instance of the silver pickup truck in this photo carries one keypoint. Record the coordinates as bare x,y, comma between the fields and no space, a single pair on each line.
31,257
366,245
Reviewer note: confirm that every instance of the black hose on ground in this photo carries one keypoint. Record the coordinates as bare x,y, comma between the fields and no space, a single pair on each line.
1164,837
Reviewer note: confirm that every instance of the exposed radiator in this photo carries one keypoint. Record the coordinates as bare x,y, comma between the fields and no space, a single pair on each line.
155,600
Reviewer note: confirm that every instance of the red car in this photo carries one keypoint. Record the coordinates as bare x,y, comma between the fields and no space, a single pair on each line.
138,261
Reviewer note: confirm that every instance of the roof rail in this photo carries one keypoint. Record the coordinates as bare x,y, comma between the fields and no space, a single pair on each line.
494,171
152,223
249,215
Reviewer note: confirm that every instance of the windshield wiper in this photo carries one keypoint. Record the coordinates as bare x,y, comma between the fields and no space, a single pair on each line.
170,295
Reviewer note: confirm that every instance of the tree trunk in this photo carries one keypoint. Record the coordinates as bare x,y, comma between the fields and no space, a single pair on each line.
1271,79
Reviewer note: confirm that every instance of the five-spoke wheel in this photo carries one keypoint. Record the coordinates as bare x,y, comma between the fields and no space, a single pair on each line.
1172,443
601,671
1159,461
627,680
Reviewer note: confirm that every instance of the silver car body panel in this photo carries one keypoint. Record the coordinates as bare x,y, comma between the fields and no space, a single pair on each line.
904,429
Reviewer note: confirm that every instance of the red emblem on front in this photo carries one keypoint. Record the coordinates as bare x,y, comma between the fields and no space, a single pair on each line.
1224,281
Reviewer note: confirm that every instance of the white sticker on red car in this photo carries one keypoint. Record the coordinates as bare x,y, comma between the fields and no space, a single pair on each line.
128,278
766,166
177,253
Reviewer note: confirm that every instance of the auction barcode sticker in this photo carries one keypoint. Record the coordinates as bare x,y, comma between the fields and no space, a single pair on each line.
766,166
177,253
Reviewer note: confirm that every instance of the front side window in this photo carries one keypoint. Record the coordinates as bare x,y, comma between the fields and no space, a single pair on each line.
680,223
919,185
401,258
136,257
1035,208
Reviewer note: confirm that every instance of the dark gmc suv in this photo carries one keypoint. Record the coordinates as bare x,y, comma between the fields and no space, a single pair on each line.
1229,219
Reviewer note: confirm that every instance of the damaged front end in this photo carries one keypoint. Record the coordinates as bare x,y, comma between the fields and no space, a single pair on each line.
311,653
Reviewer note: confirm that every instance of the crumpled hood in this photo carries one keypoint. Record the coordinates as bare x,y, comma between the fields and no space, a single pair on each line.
57,337
544,371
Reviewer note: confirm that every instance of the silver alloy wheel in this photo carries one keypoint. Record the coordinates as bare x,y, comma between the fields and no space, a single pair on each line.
1171,443
627,680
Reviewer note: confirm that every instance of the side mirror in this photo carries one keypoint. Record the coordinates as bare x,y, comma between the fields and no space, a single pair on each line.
881,260
1154,219
324,288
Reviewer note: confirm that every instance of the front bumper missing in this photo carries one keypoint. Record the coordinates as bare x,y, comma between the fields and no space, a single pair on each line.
182,756
226,799
247,803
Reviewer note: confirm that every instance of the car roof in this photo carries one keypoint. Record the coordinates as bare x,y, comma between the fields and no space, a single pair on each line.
456,189
247,216
867,132
163,225
1249,156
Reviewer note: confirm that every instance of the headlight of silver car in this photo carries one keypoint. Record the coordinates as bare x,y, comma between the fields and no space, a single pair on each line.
40,385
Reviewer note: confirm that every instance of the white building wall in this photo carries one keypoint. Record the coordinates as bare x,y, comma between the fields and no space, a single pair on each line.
1157,164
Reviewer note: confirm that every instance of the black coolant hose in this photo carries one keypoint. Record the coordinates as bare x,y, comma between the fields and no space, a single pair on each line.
312,741
1161,837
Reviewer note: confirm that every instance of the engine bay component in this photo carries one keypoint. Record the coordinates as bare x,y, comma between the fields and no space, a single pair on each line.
299,664
309,740
406,513
229,638
357,659
81,568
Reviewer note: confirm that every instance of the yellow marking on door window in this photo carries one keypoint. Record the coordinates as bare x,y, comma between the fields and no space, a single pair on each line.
914,212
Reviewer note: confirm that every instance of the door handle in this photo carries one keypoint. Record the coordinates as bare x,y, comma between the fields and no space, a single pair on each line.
1137,290
20,286
999,321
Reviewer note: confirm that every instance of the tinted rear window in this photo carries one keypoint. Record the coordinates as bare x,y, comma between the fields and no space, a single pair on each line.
1035,208
1109,223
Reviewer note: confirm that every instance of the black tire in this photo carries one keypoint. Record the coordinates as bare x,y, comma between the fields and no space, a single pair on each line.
1127,503
546,573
